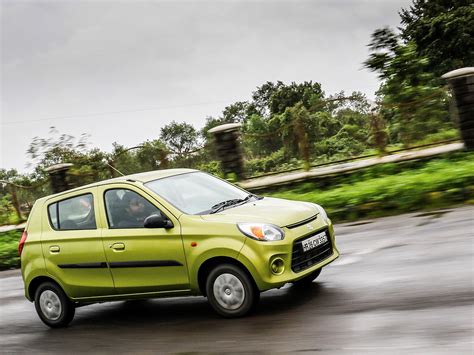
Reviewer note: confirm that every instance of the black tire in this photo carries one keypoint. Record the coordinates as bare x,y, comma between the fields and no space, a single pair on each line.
308,279
249,297
58,318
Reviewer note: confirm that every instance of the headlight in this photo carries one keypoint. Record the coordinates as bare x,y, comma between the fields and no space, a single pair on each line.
261,231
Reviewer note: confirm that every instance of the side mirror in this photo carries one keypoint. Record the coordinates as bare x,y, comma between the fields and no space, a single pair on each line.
157,221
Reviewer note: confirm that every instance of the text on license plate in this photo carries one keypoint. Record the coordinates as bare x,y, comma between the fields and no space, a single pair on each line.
314,241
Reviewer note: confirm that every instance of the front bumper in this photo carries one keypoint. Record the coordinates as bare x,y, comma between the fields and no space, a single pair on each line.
258,256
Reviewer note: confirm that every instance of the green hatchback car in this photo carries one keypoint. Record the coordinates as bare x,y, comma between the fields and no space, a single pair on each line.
168,233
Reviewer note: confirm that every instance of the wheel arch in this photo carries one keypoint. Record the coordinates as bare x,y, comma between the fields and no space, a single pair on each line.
36,282
206,267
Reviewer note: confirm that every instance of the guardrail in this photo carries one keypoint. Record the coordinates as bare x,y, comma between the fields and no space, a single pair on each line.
354,158
285,178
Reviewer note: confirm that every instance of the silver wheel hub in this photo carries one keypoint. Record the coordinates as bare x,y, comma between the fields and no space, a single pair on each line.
229,291
50,305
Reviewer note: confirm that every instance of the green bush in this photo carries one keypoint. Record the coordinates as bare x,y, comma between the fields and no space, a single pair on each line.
7,211
441,136
212,167
9,258
450,180
276,161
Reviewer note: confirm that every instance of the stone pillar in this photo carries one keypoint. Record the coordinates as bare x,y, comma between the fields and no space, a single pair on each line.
58,175
228,148
461,82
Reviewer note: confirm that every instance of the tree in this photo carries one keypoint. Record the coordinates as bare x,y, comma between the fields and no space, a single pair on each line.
88,165
442,31
261,137
237,112
296,127
123,160
286,96
273,99
261,98
412,101
181,139
152,155
57,148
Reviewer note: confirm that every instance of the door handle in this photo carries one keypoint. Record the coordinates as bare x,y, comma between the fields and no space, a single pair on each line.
54,249
117,246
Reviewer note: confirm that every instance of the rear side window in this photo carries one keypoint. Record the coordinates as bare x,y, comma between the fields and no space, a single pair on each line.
75,213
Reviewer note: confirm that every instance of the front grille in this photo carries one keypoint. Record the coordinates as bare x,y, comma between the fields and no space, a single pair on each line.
302,260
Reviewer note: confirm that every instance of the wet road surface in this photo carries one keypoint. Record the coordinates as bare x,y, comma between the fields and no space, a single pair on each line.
403,284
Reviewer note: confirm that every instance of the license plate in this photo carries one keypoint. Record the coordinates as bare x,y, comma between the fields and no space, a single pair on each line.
314,241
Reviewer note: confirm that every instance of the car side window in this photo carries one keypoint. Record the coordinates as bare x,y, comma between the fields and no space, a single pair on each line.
127,209
75,213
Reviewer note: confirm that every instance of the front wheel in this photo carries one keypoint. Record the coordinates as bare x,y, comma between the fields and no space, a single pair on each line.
230,291
53,306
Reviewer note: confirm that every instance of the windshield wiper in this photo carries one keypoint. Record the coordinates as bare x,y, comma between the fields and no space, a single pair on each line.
221,205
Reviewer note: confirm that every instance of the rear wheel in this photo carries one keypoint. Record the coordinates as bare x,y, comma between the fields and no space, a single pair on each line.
308,279
230,291
53,306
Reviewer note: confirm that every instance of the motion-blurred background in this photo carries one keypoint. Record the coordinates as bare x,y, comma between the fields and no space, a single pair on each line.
364,107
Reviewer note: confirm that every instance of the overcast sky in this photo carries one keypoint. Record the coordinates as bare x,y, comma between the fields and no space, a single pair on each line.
120,70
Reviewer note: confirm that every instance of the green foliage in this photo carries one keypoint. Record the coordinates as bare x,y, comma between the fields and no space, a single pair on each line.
444,135
272,162
25,196
236,112
56,149
341,146
9,241
435,37
124,160
413,102
438,182
61,148
261,97
442,31
7,212
260,137
152,155
297,128
286,96
180,138
213,167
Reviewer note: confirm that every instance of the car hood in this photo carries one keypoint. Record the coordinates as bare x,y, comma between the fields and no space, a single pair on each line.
267,210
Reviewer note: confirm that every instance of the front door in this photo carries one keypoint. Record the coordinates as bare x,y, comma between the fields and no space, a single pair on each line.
141,259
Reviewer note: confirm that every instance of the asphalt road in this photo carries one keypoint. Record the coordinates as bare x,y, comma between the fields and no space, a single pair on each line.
403,284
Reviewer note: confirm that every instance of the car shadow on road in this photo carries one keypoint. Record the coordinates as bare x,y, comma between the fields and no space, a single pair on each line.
291,297
125,326
189,309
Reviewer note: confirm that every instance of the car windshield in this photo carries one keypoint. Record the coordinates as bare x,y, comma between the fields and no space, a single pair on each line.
197,192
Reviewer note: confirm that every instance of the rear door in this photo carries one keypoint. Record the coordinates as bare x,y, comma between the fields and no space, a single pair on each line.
72,245
140,259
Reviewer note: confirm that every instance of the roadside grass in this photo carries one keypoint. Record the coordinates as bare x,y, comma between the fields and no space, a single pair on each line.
9,258
391,189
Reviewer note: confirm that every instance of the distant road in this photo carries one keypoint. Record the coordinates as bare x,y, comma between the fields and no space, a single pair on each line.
403,284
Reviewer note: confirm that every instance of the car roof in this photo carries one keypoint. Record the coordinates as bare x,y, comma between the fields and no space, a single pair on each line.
139,177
